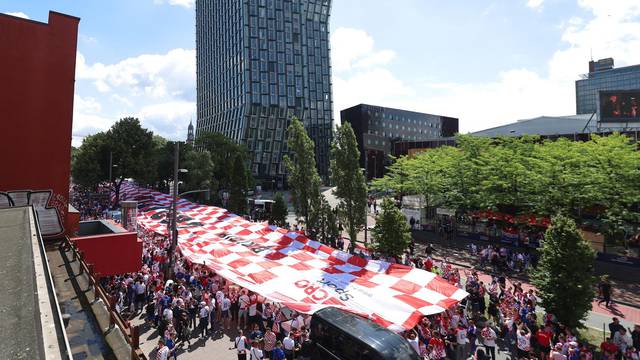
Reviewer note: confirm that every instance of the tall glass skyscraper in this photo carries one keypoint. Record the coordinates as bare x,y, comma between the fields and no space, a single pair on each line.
259,63
603,76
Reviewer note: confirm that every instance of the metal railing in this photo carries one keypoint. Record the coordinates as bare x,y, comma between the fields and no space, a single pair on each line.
131,332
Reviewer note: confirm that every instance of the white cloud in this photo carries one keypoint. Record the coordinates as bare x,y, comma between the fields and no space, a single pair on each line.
354,48
18,14
184,3
157,88
611,31
87,118
168,118
90,40
535,4
156,75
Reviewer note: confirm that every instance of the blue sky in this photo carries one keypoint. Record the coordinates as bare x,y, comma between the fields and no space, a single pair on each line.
486,62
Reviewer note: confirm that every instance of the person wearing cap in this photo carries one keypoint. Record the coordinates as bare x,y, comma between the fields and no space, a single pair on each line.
573,351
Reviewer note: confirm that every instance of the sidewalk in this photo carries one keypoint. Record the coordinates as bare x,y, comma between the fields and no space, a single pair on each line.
625,290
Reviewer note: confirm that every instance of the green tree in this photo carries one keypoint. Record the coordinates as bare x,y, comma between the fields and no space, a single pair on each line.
200,167
131,148
391,233
238,186
279,211
303,179
224,153
346,175
564,276
90,167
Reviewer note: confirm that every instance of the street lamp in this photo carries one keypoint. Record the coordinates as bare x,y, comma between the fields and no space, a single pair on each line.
173,228
111,166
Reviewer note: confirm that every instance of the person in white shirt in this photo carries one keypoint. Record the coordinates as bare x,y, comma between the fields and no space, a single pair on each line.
523,341
219,297
242,313
225,315
212,311
413,341
168,314
162,351
289,345
489,340
462,342
241,345
140,290
255,353
622,340
204,319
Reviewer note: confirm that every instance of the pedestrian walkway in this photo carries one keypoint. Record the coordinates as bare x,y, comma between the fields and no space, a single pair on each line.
626,288
629,315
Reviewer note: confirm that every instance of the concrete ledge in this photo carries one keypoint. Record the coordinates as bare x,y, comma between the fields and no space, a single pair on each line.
114,337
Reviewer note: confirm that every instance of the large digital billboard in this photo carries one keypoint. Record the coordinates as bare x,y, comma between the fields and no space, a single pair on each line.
620,106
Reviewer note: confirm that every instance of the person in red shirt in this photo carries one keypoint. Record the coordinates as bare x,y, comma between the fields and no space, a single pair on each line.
608,347
544,340
437,344
428,264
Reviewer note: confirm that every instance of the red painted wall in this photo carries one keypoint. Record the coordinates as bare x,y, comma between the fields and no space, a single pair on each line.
112,254
37,75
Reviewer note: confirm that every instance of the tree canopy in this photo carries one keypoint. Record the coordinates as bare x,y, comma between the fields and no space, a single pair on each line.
217,163
126,147
525,175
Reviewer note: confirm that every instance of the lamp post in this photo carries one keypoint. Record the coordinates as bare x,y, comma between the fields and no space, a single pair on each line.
111,166
366,181
172,224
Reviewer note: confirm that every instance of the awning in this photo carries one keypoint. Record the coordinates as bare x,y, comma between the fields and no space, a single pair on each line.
288,268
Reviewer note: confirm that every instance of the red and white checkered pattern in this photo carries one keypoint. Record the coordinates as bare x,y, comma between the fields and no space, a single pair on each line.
289,268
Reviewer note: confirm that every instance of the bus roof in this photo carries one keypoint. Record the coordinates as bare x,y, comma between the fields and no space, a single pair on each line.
387,343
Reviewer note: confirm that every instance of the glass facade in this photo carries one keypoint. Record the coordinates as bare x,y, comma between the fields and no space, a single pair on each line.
260,62
625,78
378,128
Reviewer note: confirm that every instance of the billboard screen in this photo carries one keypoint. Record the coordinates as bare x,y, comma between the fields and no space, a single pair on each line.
620,106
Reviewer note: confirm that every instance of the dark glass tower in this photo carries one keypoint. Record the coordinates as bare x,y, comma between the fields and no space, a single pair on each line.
260,62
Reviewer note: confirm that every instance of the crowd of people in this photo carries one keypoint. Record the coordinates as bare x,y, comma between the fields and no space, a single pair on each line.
196,303
90,204
505,311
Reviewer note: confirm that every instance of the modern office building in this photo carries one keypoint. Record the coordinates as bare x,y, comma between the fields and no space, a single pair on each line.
603,76
378,128
260,62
